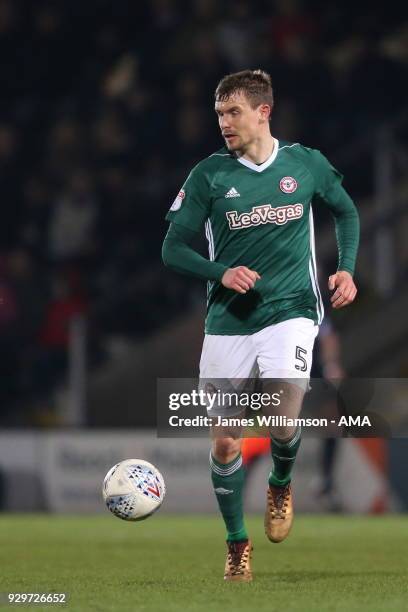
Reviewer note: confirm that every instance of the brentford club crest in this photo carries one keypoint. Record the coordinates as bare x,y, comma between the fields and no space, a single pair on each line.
288,184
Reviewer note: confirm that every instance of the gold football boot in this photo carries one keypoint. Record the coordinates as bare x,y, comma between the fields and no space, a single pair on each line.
278,513
238,563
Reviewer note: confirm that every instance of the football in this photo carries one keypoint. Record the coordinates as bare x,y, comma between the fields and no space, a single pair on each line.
133,489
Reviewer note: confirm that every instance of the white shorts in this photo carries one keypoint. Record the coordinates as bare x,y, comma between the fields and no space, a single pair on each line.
282,351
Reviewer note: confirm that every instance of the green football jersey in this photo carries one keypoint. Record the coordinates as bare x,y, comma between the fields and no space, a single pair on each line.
260,216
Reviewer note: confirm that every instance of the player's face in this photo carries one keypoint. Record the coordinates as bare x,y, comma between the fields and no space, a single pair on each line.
240,124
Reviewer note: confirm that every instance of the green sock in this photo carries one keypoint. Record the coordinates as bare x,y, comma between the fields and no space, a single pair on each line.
228,481
283,455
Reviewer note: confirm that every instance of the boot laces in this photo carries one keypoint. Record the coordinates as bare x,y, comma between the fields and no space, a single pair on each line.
279,500
237,556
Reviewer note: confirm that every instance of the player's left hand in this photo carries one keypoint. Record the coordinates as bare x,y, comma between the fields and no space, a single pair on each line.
346,290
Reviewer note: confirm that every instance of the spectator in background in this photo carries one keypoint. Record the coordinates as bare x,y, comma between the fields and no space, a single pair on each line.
72,222
65,148
22,299
37,195
237,35
9,314
291,22
67,301
9,183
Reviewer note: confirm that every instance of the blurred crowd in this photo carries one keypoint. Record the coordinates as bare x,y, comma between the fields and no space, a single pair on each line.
106,106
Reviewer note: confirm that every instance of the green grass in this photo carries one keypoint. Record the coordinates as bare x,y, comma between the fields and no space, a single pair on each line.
175,563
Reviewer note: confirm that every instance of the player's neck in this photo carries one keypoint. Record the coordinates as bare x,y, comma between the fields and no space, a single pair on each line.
259,150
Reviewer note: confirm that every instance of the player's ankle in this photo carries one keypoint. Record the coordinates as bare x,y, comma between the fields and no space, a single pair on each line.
278,482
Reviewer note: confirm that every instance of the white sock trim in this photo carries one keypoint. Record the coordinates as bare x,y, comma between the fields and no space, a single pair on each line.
291,442
227,471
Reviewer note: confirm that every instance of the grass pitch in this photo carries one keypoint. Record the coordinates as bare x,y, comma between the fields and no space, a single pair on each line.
175,563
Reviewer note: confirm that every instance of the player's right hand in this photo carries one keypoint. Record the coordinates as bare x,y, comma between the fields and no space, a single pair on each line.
240,279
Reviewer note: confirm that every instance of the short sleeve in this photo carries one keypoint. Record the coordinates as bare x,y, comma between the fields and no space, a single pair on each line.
191,208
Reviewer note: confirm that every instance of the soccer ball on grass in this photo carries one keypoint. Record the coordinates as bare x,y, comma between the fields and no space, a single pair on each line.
133,489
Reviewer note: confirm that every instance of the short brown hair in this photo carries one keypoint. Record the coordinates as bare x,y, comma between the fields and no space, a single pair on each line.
256,85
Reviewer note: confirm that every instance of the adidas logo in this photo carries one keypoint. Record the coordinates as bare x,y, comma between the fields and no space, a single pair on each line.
232,193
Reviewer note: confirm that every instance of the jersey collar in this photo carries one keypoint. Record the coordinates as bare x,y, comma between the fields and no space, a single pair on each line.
266,164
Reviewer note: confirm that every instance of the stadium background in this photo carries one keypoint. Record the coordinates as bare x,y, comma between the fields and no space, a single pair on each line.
105,107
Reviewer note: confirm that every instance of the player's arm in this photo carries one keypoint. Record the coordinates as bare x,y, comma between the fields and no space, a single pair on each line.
187,215
330,191
347,226
178,254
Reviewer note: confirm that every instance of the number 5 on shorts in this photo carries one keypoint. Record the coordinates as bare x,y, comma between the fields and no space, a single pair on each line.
300,352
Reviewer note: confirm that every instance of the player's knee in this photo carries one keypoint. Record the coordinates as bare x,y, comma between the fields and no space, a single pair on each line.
225,450
283,434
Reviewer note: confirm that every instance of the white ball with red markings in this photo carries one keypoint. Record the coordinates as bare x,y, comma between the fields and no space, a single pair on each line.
133,489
